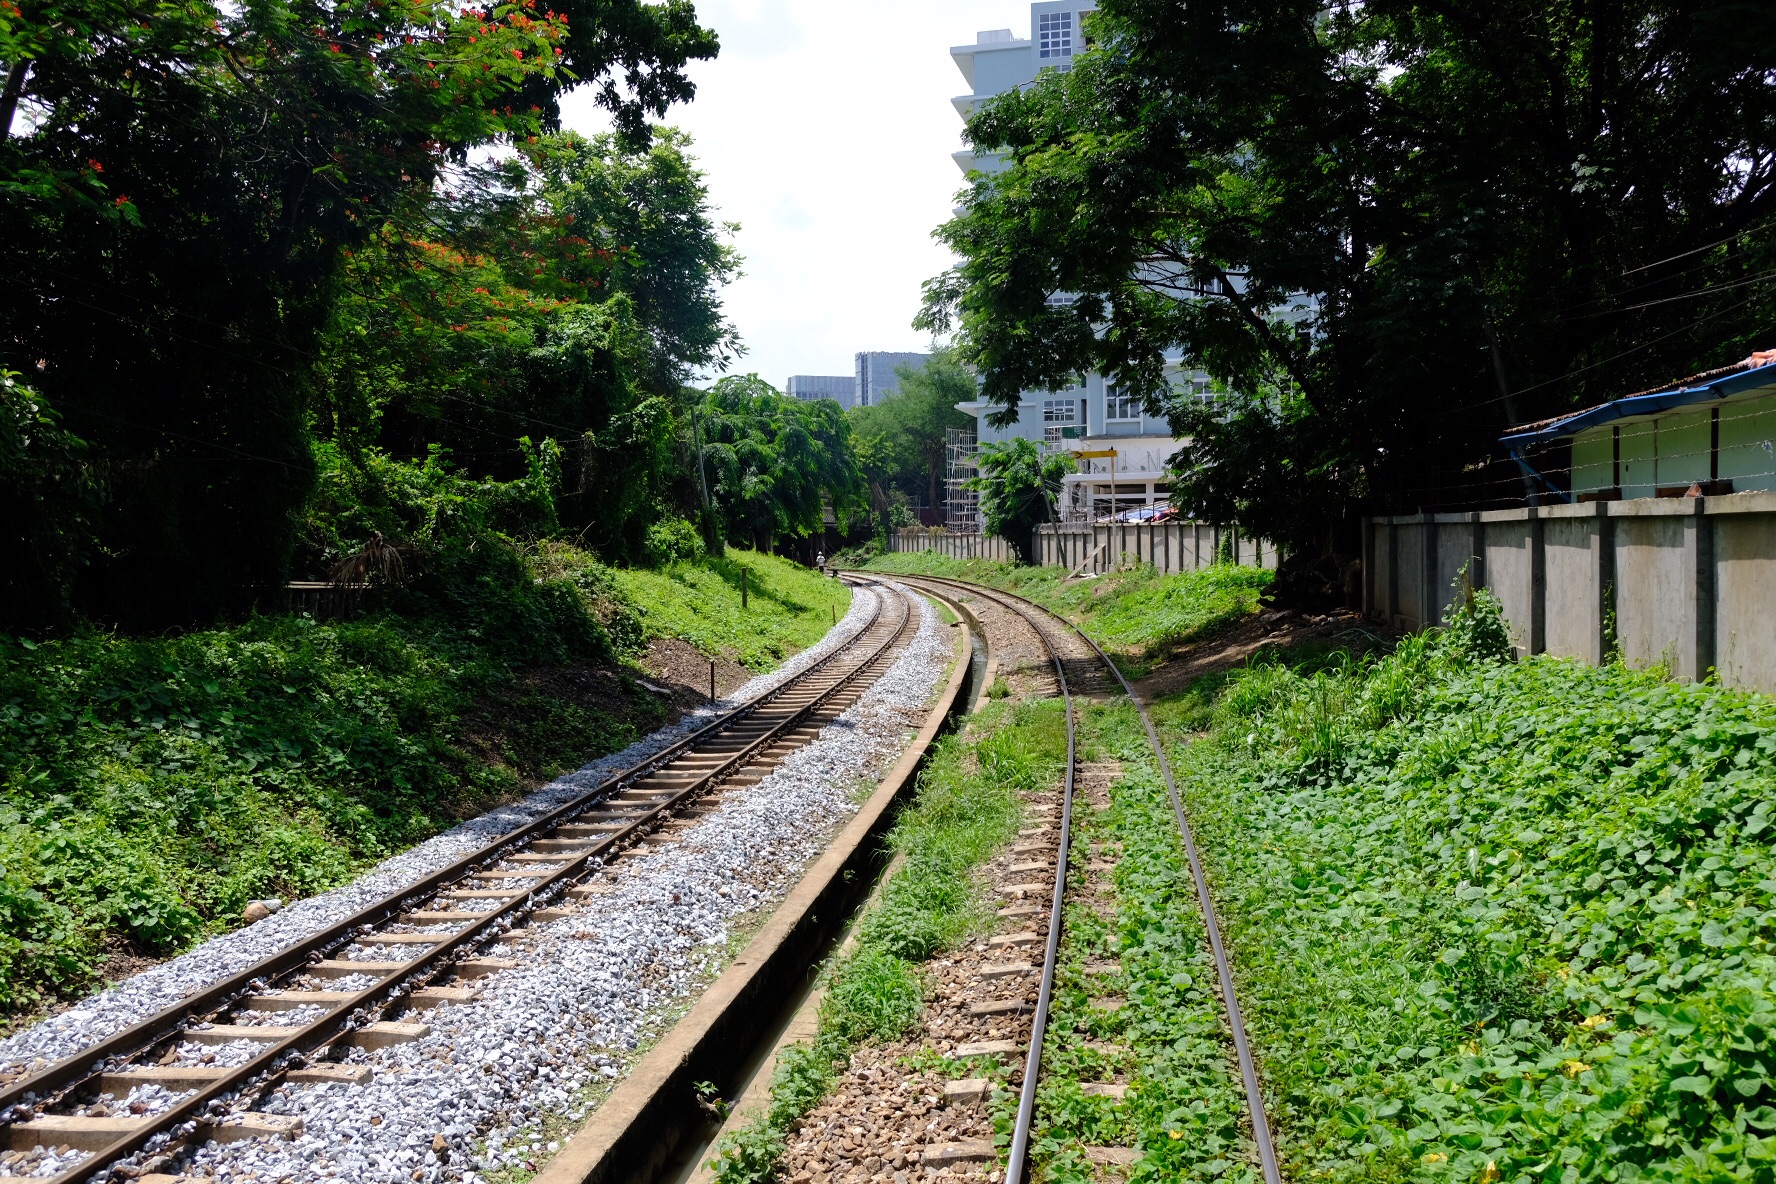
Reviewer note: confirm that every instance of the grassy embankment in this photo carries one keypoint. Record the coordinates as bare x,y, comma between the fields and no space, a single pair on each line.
152,786
966,808
1497,920
1155,1020
1137,615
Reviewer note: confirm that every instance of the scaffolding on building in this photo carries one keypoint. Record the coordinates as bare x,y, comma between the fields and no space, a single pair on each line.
961,504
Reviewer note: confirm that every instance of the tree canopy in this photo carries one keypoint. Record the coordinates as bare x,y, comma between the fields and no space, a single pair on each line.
1017,487
774,463
900,440
1391,228
189,190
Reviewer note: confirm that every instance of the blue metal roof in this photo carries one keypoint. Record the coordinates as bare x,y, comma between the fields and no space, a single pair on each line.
1738,383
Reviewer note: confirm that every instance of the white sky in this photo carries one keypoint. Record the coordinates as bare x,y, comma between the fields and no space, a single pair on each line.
825,129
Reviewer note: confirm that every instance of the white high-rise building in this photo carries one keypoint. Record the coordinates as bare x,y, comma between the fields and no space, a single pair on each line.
1092,415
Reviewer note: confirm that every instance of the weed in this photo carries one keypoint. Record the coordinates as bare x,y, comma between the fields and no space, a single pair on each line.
965,809
1496,919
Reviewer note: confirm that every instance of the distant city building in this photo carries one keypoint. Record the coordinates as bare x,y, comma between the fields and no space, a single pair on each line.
1092,415
840,388
876,378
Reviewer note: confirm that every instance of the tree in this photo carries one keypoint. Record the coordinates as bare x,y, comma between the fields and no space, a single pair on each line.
563,295
50,496
901,440
177,211
1018,487
1392,228
776,463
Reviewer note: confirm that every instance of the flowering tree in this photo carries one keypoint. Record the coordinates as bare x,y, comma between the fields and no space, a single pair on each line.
184,186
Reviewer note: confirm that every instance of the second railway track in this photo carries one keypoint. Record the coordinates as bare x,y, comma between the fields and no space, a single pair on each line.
1072,664
196,1069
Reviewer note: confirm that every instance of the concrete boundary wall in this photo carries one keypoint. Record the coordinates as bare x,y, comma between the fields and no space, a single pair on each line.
1686,582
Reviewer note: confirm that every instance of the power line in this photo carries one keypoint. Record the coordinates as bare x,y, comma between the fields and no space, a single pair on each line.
1698,250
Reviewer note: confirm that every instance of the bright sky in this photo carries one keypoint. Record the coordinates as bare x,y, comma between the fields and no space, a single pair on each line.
825,129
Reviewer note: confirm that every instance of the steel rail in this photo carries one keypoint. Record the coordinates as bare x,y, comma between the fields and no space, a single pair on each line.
1261,1133
184,1117
1019,1153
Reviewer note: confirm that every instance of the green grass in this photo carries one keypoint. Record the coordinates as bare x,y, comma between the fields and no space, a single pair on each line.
1498,920
966,808
1137,615
789,607
1185,1101
150,787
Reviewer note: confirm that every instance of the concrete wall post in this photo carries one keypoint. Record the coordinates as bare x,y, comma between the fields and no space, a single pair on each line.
1703,531
1427,567
1367,546
1393,587
1606,582
1476,551
1538,586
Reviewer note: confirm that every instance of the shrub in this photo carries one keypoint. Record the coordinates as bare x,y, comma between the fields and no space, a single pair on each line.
672,539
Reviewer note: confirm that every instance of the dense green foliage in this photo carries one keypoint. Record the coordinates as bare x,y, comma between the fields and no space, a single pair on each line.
1168,1040
774,464
1498,920
178,211
150,787
1391,227
965,810
1136,614
901,440
1018,487
563,296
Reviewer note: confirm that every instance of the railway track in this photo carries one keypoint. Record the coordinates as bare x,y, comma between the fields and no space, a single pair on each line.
1079,666
130,1104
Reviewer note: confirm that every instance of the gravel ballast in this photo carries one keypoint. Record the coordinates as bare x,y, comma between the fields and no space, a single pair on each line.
544,1040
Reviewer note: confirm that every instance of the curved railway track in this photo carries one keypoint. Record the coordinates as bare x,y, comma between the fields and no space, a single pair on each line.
1077,662
346,985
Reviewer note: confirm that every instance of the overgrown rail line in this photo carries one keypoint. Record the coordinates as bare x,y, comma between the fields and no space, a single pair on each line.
418,937
1058,635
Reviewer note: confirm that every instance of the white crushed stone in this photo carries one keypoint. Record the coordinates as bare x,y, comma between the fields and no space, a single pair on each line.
589,988
109,1011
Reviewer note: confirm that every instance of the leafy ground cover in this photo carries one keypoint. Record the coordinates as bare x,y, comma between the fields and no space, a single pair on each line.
1137,615
966,808
150,787
1497,920
1185,1103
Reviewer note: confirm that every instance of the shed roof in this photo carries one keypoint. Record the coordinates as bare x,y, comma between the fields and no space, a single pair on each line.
1754,375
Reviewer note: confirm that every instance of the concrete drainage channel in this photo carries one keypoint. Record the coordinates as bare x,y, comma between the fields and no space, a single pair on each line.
546,1019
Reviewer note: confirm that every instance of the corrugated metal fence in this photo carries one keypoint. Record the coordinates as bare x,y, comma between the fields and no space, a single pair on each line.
1169,546
956,546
